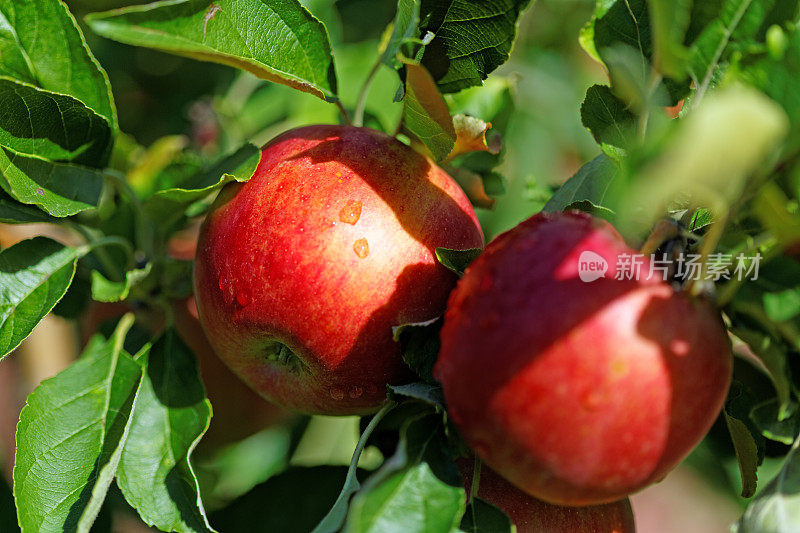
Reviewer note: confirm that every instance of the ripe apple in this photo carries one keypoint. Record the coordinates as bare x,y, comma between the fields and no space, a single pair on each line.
578,392
302,272
238,411
535,516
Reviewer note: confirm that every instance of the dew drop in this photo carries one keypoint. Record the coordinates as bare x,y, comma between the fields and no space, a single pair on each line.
361,248
40,191
356,392
679,347
243,298
337,394
351,212
592,401
223,283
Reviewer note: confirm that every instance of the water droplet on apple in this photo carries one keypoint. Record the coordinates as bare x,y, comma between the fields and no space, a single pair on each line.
592,400
356,392
679,347
223,283
351,212
243,298
337,394
361,248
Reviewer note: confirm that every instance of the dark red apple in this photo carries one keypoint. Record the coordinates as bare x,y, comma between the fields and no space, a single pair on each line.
578,392
535,516
302,272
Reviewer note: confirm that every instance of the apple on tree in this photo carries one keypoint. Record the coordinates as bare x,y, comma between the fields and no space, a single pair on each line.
578,392
302,271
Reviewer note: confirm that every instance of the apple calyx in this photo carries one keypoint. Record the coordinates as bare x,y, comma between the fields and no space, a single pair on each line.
277,352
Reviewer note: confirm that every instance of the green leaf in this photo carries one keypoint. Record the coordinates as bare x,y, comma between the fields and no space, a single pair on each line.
483,517
746,454
586,38
419,343
472,38
779,78
59,189
609,120
277,40
623,38
404,29
670,20
413,500
70,436
104,290
169,205
34,275
307,491
767,418
625,22
170,416
8,513
41,44
783,305
776,509
591,184
739,21
748,442
426,114
774,358
53,126
13,212
423,438
424,392
457,260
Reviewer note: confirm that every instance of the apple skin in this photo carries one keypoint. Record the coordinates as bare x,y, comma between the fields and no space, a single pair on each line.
535,516
578,393
302,272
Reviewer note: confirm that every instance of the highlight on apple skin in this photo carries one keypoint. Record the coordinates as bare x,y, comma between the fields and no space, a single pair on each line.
530,515
302,272
578,392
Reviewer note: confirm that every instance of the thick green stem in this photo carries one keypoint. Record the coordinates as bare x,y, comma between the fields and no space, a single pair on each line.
358,116
332,522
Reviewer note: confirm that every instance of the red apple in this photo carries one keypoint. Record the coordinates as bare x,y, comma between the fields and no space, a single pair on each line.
535,516
238,411
578,392
301,272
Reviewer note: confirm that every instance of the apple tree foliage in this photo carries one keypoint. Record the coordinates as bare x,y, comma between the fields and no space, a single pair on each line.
121,423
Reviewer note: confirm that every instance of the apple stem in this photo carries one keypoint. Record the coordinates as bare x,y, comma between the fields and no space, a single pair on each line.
358,117
476,479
